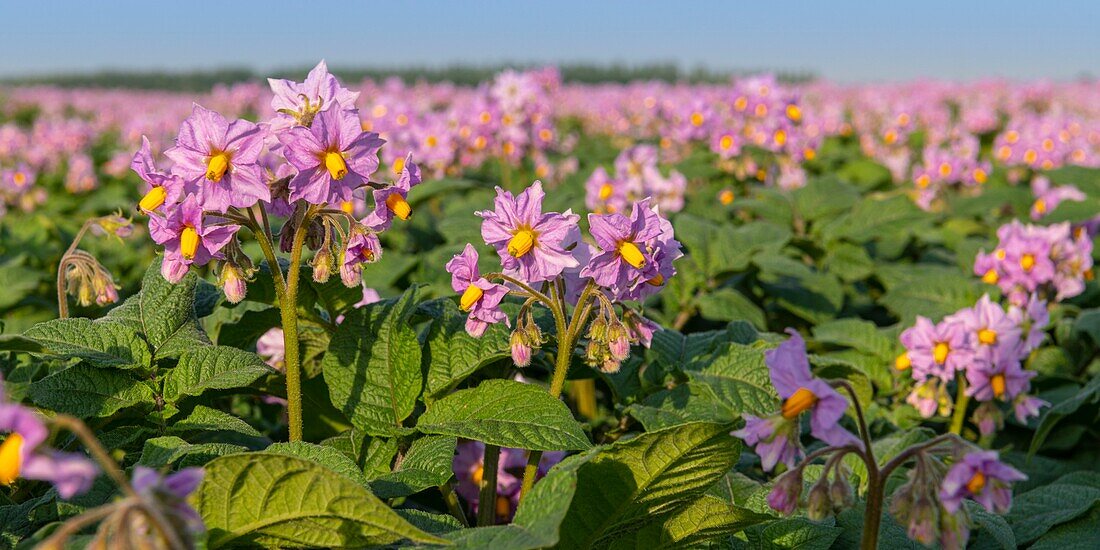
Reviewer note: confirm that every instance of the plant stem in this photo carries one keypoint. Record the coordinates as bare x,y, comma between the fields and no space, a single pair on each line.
961,402
487,499
872,514
453,506
288,308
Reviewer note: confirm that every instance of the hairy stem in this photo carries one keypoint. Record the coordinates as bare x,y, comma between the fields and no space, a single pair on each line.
453,506
288,308
961,402
487,499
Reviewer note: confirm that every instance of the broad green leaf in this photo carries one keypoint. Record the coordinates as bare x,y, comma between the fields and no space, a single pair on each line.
213,368
174,451
98,343
1079,534
705,519
930,290
428,463
436,524
793,533
325,456
161,309
16,282
508,414
1088,394
857,334
372,366
727,304
85,391
645,479
692,402
990,527
1033,513
452,354
738,376
204,419
847,261
275,500
16,342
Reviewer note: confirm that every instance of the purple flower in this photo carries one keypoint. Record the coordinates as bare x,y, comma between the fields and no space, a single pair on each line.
1047,197
171,492
362,247
334,157
390,201
300,101
530,243
930,396
789,368
162,187
603,194
993,332
186,240
469,470
1032,319
937,350
218,160
774,439
480,297
22,454
983,477
1003,379
271,348
626,246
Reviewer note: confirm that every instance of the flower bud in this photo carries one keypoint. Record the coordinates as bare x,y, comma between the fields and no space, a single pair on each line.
113,225
521,351
233,283
323,263
954,530
783,497
819,502
597,330
988,417
840,491
923,521
106,291
610,365
618,341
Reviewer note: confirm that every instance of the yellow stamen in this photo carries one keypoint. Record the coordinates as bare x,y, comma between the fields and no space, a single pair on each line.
1027,262
890,137
696,119
1040,206
726,142
794,113
940,351
1004,152
761,110
477,475
780,137
189,242
1000,254
153,199
521,243
630,252
508,148
997,382
216,166
399,206
976,483
741,103
402,119
337,168
987,336
1048,145
902,362
799,402
1012,136
545,134
923,181
1030,155
605,191
903,119
470,297
20,178
504,506
810,154
347,206
11,458
980,176
431,141
991,277
657,281
726,197
945,169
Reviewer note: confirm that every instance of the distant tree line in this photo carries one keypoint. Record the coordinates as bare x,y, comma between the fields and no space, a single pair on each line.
459,74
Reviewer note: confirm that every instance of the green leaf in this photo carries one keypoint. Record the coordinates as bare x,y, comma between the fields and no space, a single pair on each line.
508,414
692,402
1079,534
1088,394
1033,513
161,309
727,304
703,520
278,501
793,533
738,376
929,290
325,456
372,366
452,354
16,282
85,391
100,344
172,450
857,334
17,343
206,419
213,368
993,527
849,262
427,464
644,479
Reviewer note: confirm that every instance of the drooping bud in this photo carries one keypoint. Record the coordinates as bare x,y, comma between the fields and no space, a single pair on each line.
923,521
323,263
233,283
618,340
610,365
840,491
988,418
106,291
521,350
114,225
784,495
819,504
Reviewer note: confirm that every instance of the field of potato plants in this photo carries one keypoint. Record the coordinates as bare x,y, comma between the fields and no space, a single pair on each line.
531,314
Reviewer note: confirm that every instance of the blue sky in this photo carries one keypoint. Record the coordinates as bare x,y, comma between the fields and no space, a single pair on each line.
844,40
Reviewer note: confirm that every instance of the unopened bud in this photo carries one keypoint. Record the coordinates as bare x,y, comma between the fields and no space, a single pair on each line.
521,351
106,291
923,522
610,365
323,263
840,491
784,495
233,283
819,503
618,341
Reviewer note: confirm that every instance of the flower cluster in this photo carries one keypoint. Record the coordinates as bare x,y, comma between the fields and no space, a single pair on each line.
954,163
311,162
981,347
632,258
636,175
1052,262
